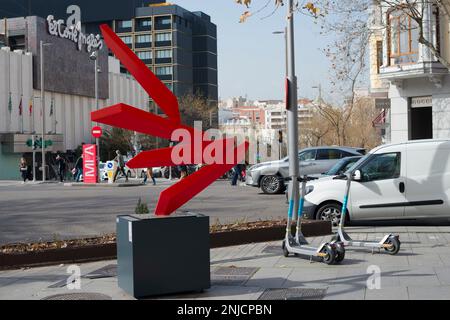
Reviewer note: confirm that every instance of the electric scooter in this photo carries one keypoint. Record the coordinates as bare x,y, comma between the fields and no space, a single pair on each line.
390,243
328,253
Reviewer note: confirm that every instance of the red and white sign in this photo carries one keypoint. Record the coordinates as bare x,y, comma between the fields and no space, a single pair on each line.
97,132
90,163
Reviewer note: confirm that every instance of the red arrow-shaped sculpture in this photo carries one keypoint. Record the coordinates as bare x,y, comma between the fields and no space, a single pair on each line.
130,118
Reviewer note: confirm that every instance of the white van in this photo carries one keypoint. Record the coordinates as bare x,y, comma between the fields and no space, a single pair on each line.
398,181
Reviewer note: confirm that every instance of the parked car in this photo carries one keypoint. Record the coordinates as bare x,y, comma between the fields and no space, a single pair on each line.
399,181
270,176
339,168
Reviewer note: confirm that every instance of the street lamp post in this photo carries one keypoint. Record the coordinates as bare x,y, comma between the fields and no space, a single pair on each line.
42,45
292,114
284,32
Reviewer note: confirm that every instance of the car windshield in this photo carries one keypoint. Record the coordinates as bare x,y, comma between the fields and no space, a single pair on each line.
341,166
102,165
358,163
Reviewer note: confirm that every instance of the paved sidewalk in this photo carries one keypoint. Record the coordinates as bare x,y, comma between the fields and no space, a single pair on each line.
420,271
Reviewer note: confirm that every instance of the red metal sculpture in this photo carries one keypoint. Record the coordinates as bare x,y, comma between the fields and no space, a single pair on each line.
130,118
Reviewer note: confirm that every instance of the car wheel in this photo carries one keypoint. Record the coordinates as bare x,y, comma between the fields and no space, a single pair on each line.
330,212
272,184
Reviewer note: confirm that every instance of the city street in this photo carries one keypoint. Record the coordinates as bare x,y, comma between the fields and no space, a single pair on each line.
34,212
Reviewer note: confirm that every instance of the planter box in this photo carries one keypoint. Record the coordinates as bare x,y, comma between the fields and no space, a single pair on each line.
158,256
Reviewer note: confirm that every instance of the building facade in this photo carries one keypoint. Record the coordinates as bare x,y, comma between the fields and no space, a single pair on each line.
411,86
179,46
69,92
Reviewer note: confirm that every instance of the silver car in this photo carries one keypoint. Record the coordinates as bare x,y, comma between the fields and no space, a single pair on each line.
270,176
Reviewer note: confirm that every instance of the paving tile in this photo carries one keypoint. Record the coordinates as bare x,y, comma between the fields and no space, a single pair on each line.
429,292
269,278
389,293
426,259
345,292
418,276
443,274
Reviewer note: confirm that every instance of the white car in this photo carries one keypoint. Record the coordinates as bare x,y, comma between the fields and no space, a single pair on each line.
399,181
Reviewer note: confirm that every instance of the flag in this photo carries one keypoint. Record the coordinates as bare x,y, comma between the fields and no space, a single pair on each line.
10,103
51,109
30,108
20,107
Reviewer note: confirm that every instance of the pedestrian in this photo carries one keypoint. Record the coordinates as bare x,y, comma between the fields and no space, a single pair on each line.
61,167
120,166
237,174
183,171
23,166
79,169
149,174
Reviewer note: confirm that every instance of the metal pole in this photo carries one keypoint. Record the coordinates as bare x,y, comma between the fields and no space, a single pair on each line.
43,109
97,140
33,139
292,114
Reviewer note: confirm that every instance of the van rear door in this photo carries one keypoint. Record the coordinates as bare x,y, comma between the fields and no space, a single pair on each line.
428,182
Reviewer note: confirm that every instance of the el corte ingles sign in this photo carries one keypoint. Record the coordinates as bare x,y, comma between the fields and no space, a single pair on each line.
73,33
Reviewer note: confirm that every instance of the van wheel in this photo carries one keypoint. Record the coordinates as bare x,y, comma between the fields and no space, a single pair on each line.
330,212
272,184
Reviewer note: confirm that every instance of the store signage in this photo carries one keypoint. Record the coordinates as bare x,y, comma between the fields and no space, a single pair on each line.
58,28
90,163
421,102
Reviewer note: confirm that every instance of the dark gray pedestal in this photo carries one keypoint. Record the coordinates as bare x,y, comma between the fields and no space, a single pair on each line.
159,256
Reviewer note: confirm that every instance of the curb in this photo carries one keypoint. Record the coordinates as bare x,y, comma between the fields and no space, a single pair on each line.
101,252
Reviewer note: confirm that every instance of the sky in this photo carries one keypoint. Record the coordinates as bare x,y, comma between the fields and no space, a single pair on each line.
252,60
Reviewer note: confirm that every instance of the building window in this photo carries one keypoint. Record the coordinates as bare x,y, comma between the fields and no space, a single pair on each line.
144,38
144,55
164,21
127,40
145,23
164,71
379,55
403,38
167,36
162,54
126,24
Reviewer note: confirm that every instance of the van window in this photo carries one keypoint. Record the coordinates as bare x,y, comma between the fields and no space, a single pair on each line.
382,167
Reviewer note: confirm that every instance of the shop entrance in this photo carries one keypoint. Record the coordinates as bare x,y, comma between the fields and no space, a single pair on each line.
421,120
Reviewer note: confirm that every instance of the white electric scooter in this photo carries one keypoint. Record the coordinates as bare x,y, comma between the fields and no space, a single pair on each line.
390,243
329,253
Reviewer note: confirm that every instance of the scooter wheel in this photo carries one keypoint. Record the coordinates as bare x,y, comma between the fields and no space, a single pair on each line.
340,252
285,250
330,256
395,245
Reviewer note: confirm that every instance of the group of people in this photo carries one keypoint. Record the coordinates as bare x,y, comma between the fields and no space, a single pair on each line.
26,174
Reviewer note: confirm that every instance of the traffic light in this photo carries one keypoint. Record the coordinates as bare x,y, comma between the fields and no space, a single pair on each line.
280,136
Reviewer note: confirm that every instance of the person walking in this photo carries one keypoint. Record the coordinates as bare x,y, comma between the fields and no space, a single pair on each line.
61,167
120,166
23,167
237,174
149,174
183,171
78,169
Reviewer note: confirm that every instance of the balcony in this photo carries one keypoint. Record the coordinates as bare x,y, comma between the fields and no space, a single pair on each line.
412,70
